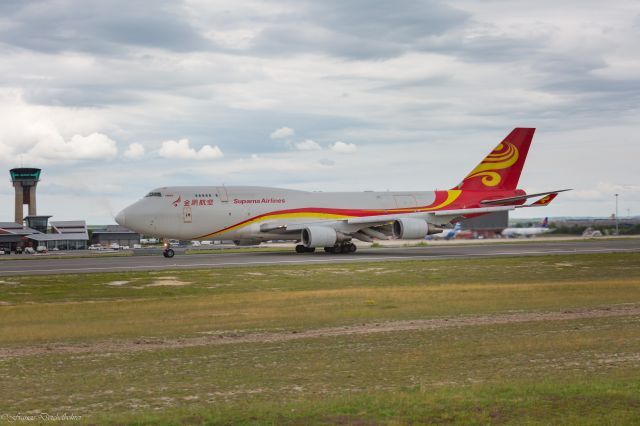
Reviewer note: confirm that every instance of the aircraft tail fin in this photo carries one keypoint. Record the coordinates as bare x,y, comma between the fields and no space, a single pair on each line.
545,222
501,169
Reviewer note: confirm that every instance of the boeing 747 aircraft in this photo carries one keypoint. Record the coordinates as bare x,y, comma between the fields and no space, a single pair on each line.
250,214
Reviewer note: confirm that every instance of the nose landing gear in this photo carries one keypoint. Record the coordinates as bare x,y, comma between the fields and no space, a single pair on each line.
168,251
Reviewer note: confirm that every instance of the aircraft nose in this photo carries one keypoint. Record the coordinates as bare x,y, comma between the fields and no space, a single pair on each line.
120,218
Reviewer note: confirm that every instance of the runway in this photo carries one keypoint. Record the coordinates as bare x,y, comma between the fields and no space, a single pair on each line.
93,264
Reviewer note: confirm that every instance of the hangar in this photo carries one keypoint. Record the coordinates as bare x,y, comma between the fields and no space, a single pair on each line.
115,234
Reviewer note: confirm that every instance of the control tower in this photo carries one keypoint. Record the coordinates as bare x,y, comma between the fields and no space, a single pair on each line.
25,181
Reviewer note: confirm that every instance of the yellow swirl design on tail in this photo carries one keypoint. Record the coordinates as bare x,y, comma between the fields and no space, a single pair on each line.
502,157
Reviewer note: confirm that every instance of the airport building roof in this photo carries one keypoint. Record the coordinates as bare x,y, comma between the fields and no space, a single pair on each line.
79,236
114,229
62,230
10,225
15,229
69,226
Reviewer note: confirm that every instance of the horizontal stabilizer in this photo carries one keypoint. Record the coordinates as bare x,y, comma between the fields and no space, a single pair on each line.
499,201
478,210
545,200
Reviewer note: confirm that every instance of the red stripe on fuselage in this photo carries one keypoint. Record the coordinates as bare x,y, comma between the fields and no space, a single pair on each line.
467,199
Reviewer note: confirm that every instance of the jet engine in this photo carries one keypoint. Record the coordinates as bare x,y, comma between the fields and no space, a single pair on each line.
413,229
321,236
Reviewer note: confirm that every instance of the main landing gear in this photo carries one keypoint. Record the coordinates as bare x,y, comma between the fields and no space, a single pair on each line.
347,247
341,248
302,249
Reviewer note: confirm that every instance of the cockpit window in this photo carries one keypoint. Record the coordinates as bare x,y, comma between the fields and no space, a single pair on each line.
153,194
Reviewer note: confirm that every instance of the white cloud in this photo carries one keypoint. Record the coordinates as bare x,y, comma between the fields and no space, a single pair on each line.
182,150
603,191
49,135
282,132
307,145
95,146
343,148
135,150
406,98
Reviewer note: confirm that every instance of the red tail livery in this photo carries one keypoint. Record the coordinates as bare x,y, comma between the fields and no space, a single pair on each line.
501,169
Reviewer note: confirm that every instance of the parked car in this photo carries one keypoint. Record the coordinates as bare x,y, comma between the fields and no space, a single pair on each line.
41,249
29,250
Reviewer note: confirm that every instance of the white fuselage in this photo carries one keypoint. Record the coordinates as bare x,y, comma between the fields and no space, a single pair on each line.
237,213
525,232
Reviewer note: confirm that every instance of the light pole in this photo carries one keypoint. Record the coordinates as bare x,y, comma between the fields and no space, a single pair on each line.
617,231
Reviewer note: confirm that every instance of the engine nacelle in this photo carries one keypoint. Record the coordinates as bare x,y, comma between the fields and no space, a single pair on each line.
413,229
320,236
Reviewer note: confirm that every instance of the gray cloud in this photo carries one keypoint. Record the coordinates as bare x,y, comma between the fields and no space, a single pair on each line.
420,87
98,27
358,29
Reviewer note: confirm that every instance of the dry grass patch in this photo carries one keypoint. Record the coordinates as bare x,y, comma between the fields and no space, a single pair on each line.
167,282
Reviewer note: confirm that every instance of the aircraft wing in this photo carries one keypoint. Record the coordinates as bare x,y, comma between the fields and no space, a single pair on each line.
355,224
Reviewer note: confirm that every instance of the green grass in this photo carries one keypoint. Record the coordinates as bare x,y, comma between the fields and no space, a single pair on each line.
584,371
524,403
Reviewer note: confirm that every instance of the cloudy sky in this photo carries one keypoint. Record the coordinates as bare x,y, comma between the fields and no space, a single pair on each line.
114,98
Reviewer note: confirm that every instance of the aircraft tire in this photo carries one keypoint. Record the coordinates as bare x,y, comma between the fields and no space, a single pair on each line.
302,249
168,253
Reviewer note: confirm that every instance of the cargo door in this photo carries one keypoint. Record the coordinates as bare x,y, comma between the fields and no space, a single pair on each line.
222,194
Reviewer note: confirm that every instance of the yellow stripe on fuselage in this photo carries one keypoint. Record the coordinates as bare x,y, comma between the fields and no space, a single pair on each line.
452,195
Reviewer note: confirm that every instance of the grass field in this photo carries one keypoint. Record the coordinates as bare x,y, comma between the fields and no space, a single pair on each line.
531,340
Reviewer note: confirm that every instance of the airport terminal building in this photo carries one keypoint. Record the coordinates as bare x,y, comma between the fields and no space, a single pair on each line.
64,235
36,231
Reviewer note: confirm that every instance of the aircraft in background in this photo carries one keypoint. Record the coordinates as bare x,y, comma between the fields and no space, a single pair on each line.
528,232
249,215
451,234
446,234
